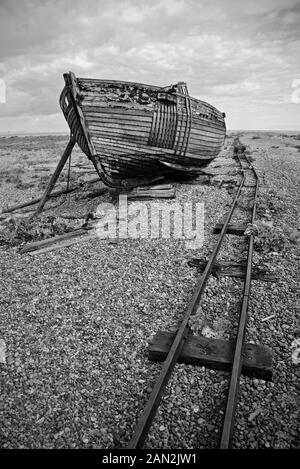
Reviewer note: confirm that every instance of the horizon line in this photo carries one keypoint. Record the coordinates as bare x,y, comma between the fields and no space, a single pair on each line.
55,132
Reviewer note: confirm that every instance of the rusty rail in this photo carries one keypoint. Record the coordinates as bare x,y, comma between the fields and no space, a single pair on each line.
233,390
146,419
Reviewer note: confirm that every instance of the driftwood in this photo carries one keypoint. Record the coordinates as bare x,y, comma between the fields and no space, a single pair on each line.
55,239
232,269
64,243
36,245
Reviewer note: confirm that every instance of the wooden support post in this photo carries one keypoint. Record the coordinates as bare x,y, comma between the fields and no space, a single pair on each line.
56,174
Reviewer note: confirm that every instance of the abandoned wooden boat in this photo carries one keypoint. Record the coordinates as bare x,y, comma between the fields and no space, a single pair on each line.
131,130
134,132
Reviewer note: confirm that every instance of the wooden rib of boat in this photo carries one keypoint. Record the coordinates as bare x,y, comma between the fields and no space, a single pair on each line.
132,131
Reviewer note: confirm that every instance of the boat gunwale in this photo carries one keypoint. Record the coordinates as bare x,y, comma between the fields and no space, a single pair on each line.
154,88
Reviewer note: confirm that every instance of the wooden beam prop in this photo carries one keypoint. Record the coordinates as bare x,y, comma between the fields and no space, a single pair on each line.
214,353
55,175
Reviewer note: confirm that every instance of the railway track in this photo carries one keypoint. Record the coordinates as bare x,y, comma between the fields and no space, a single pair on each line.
248,188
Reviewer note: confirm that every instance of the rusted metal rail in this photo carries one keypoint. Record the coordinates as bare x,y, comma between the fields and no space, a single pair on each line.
145,421
233,391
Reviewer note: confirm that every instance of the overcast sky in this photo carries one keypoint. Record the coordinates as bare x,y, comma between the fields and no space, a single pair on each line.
241,56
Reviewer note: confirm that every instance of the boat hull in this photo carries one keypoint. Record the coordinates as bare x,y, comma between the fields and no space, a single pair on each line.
134,131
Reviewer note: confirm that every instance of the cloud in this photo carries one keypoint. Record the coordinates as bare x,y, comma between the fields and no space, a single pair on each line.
230,56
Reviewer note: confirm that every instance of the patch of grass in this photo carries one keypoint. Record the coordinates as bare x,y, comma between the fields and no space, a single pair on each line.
6,173
19,170
25,185
294,236
269,238
16,231
269,203
43,182
13,180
